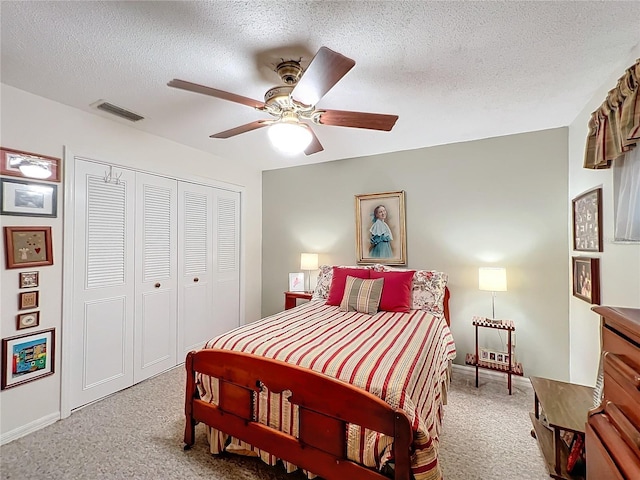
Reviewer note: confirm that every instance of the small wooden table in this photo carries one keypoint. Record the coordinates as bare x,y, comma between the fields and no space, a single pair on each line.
291,298
512,368
566,406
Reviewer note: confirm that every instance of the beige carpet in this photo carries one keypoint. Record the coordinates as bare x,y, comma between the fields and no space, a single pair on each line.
487,433
137,434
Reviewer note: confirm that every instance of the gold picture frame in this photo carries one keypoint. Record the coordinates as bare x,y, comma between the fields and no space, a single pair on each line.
381,228
28,246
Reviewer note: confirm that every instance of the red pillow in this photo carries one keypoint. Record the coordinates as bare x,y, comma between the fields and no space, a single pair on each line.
396,292
339,279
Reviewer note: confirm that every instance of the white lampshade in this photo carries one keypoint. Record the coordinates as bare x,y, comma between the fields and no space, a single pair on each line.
34,169
492,279
308,261
290,137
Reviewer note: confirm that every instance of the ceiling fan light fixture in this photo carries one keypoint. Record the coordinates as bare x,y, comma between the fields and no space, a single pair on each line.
290,137
296,100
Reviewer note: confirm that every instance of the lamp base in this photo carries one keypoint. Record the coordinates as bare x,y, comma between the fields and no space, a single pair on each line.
307,281
493,305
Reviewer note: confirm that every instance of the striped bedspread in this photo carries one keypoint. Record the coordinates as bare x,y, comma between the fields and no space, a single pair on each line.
403,358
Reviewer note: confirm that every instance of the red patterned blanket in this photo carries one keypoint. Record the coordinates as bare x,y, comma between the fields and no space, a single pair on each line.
403,358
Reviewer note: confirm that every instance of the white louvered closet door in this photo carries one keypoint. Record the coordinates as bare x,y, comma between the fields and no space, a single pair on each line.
103,302
156,275
226,285
195,266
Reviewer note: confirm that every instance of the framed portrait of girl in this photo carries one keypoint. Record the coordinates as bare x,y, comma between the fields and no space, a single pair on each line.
381,228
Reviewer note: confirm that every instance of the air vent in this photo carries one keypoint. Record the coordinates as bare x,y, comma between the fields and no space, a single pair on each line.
115,110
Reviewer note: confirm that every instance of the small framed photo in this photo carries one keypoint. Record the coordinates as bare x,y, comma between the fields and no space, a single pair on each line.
13,162
27,357
296,282
27,320
28,199
587,221
29,279
381,228
586,279
28,246
28,300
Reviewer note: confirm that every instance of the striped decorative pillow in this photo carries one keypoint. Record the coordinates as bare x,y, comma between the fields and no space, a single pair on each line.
361,295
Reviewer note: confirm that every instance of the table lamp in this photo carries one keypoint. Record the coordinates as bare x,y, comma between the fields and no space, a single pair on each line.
492,279
308,262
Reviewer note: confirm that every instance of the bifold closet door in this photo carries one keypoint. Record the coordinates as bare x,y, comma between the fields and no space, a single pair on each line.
156,275
195,266
226,291
102,324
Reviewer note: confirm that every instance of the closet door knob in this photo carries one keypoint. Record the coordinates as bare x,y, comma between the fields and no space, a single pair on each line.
157,285
196,279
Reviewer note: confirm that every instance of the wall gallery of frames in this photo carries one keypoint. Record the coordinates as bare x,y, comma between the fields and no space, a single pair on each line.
28,188
587,237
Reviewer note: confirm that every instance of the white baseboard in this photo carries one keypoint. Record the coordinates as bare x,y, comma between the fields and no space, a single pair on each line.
29,428
470,370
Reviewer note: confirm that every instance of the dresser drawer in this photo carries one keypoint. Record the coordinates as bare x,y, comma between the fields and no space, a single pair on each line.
599,463
624,427
608,451
621,386
613,342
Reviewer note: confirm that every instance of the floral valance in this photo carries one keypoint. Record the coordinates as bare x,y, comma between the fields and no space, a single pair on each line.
614,128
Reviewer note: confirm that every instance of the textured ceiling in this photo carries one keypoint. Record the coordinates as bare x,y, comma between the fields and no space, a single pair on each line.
452,71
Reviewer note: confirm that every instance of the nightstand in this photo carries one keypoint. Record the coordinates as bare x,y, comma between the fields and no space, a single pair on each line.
291,298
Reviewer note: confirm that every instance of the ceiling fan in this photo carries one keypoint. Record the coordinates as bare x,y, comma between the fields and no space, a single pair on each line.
295,102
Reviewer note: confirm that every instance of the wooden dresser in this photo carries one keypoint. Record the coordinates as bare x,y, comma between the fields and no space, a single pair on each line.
613,428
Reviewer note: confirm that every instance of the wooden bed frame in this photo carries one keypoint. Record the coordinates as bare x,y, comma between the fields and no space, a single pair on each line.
323,419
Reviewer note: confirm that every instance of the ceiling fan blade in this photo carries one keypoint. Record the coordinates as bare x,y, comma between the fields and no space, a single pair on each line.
242,129
214,92
325,70
315,146
372,121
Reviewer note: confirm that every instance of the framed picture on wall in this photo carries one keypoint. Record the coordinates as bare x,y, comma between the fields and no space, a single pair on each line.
29,279
27,357
381,228
27,320
28,300
587,221
29,165
28,246
28,199
586,279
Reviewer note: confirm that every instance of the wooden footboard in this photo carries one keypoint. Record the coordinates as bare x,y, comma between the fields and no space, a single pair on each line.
321,446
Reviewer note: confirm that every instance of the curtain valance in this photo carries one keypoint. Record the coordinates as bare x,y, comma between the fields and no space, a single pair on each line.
614,128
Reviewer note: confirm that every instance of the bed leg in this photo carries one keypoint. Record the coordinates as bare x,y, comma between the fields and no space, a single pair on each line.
190,423
189,434
402,445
